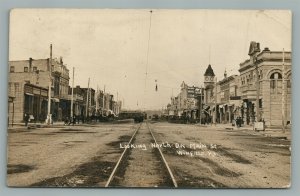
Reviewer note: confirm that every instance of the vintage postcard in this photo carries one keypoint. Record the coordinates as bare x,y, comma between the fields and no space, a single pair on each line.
149,98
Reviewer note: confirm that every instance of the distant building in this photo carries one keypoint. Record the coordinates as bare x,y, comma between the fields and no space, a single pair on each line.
117,106
229,98
187,103
108,101
78,101
106,104
87,106
173,107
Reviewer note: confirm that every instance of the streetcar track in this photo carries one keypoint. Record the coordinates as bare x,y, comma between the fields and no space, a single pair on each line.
120,159
164,160
126,157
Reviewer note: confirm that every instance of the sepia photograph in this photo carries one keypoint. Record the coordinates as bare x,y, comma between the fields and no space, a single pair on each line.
149,98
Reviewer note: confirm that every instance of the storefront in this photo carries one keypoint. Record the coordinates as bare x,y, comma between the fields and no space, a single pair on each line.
35,102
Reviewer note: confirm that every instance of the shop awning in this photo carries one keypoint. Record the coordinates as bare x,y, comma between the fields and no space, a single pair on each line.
234,110
30,94
206,107
55,100
205,112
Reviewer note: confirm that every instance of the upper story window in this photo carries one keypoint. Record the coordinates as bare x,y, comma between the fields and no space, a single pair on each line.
25,69
12,69
243,80
276,83
276,76
289,86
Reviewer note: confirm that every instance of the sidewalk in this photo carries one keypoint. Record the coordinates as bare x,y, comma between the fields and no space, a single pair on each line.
268,132
21,126
60,124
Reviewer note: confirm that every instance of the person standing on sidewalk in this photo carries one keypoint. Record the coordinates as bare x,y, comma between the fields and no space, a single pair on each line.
240,121
74,120
26,119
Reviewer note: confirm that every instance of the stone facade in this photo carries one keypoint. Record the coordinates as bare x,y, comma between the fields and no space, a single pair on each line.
261,76
274,89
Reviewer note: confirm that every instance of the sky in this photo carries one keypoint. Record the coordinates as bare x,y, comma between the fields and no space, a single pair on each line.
128,52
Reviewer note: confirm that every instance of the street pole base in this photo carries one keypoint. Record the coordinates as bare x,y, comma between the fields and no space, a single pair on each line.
48,120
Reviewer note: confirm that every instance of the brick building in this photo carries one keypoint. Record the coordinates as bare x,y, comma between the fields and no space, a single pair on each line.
229,98
36,73
84,101
26,98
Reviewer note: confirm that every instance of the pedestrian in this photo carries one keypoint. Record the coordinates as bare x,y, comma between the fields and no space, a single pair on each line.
70,120
78,119
233,123
66,121
74,119
82,118
26,119
240,121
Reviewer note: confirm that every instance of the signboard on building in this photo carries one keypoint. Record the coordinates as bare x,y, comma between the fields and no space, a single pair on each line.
235,97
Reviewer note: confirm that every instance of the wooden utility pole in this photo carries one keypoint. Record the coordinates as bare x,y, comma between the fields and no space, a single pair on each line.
49,118
72,96
258,117
200,105
104,107
90,97
283,93
215,114
87,99
96,98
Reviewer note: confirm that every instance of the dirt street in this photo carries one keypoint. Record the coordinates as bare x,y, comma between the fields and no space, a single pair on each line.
212,157
208,157
67,156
